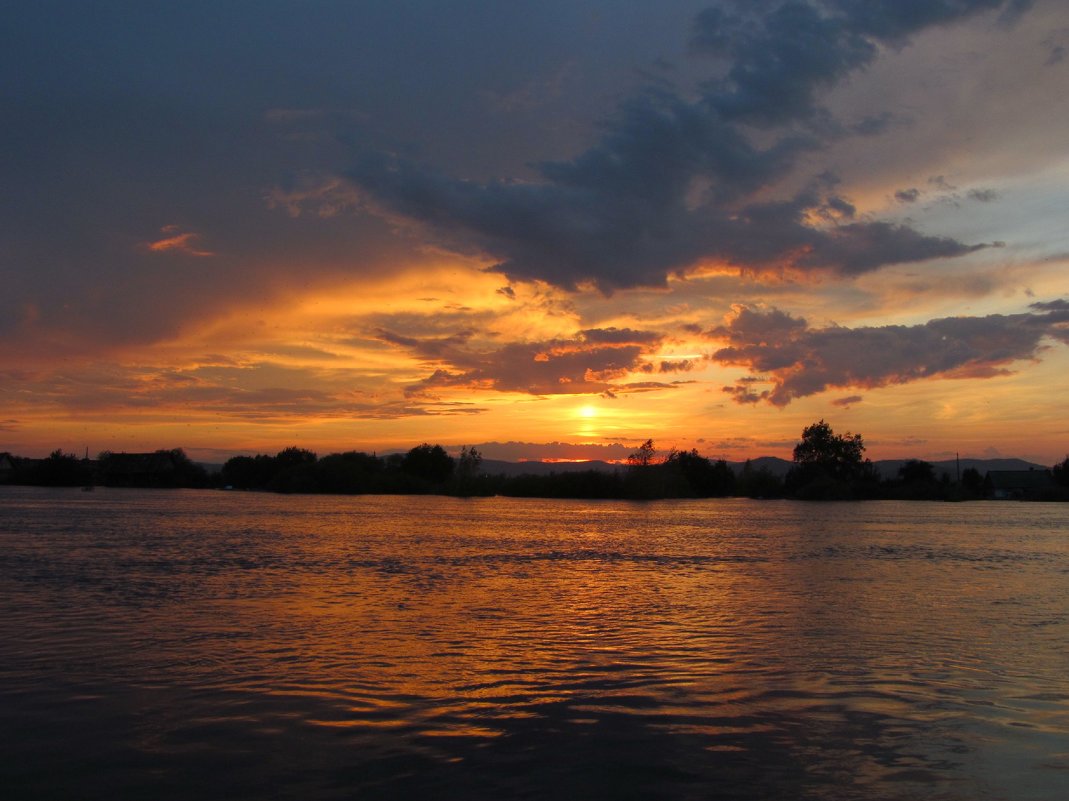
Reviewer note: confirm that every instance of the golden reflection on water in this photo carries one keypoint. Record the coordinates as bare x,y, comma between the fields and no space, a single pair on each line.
822,650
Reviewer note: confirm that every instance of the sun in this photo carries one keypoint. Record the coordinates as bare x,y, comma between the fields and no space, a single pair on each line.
587,412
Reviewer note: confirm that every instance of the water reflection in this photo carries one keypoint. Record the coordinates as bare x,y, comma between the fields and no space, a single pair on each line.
253,646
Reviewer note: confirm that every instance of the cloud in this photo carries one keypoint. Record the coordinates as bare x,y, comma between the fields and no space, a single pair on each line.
676,181
259,391
1059,305
594,361
322,196
848,401
780,56
177,240
795,360
907,195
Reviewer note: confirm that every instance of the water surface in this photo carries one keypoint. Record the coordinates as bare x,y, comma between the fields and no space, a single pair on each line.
183,644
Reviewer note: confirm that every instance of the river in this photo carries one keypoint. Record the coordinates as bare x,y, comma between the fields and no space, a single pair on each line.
188,644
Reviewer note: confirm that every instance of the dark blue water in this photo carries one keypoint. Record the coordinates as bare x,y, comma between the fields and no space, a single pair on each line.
228,645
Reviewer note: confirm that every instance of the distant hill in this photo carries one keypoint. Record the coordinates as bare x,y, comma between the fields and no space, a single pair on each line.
773,464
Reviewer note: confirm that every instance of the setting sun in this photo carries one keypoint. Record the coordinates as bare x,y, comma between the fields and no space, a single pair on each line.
587,412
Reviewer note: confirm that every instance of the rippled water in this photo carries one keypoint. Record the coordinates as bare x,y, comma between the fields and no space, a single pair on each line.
230,645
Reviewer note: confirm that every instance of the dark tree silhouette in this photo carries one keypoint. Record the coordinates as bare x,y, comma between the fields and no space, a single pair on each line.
692,475
758,482
1061,472
467,471
292,457
643,457
842,456
349,472
917,471
972,481
428,462
60,470
829,465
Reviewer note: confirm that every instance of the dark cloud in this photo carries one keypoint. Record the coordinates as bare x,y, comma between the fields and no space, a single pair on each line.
780,55
592,362
874,125
681,366
229,121
863,247
907,195
797,360
983,195
617,216
591,230
619,336
674,180
848,401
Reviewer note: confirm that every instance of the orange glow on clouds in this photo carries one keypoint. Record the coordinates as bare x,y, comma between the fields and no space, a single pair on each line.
179,242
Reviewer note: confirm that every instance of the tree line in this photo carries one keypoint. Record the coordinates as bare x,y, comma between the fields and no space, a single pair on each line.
826,466
159,469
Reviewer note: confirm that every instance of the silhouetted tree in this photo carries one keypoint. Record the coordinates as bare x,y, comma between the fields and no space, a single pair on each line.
429,463
972,481
248,472
758,482
185,472
841,455
294,456
294,471
643,457
916,480
829,465
470,459
1060,472
467,470
60,470
349,473
916,471
691,475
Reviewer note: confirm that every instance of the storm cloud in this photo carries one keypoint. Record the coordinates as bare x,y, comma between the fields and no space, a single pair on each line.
677,180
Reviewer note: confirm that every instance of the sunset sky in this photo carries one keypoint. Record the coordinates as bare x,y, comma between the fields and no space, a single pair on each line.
549,229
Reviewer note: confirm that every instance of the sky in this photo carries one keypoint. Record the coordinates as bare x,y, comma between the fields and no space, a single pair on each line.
550,229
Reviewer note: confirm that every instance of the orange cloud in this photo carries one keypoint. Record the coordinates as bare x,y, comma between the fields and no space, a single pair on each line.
184,242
